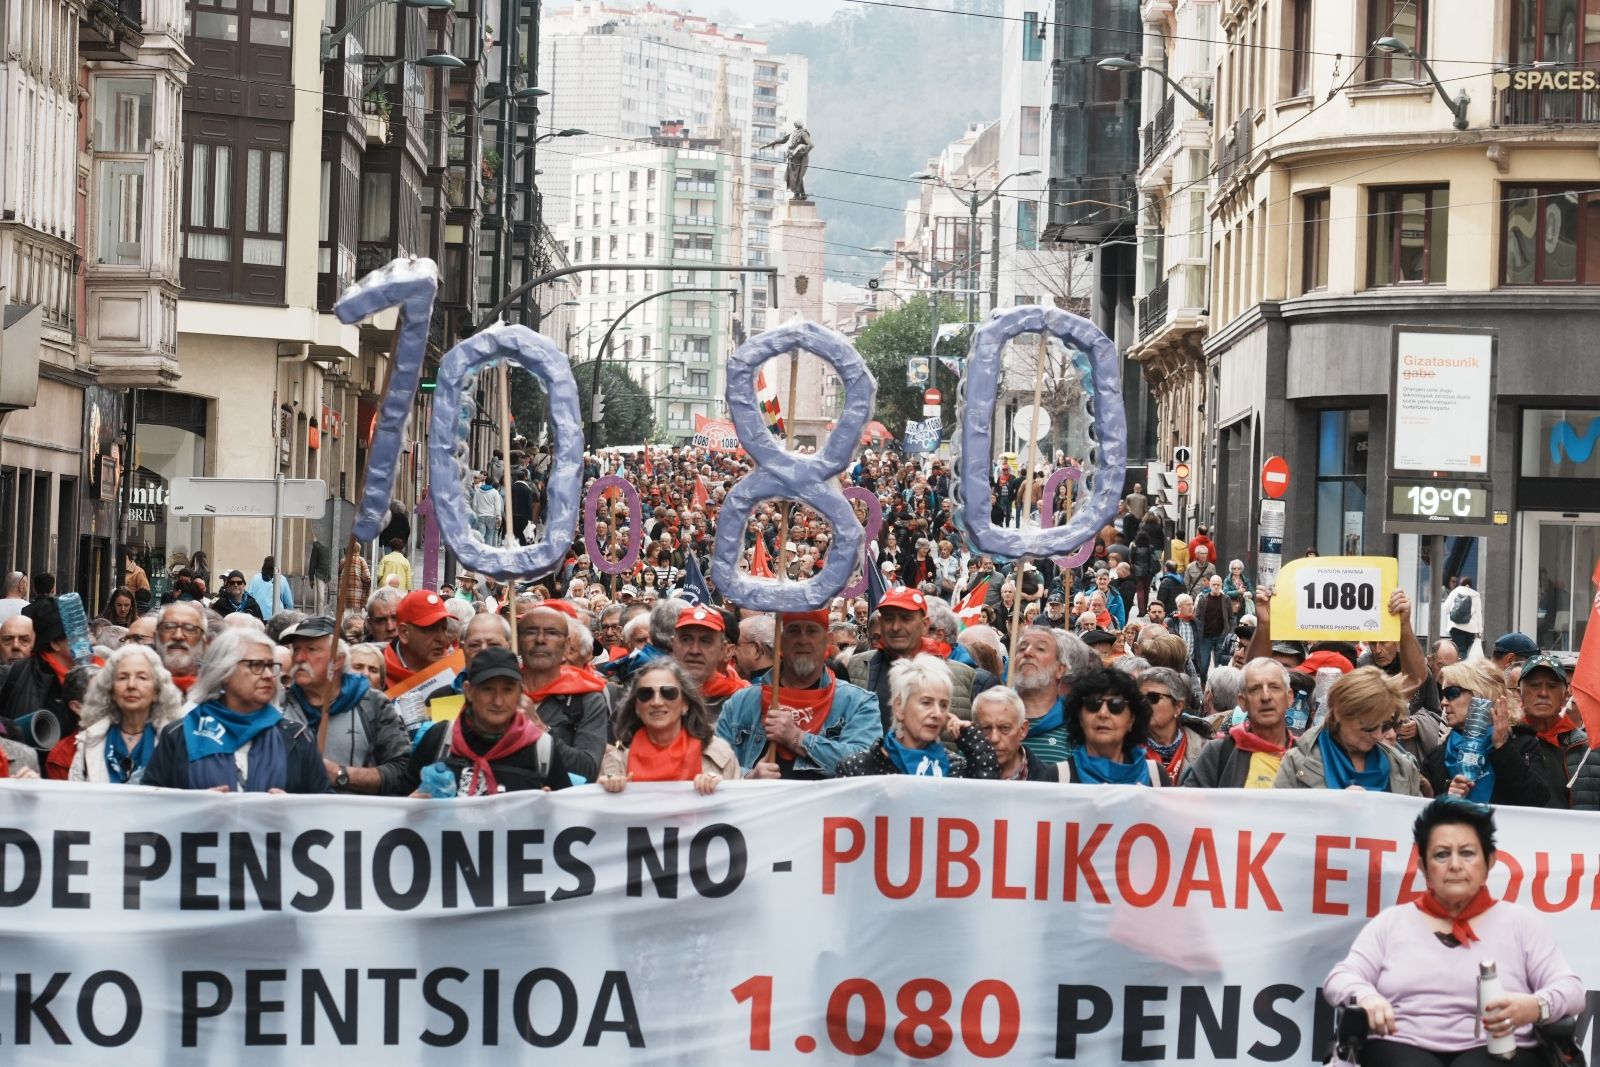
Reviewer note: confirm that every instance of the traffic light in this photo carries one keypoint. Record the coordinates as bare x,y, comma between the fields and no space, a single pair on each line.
599,406
1181,470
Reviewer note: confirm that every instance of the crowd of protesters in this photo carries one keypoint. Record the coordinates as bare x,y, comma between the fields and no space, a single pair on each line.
1151,664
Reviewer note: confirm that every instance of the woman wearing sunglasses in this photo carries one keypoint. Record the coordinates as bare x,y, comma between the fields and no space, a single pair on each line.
129,702
235,740
1507,778
1346,750
1108,720
664,734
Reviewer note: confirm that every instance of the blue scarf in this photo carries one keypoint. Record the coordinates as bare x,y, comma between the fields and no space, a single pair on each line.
1339,772
351,690
1101,771
1053,719
1454,747
213,730
118,757
930,762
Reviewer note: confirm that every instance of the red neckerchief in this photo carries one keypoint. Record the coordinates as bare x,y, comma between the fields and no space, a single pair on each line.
571,681
935,647
1552,734
677,762
58,764
397,671
183,682
5,765
1176,762
1254,742
58,665
1460,928
814,703
723,684
518,736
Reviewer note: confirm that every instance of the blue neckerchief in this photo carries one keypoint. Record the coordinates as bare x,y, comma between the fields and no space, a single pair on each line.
351,690
124,766
930,762
1053,719
1454,747
212,729
1102,771
1339,772
268,766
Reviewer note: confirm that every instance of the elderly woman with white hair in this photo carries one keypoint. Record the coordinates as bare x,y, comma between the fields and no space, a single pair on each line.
919,702
1000,714
129,702
236,739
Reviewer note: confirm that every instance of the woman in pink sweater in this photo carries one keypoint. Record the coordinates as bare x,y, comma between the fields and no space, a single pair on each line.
1414,968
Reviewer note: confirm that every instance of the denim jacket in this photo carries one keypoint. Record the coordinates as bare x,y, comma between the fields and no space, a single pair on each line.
853,724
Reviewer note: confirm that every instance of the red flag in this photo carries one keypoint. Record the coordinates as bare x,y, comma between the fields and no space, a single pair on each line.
760,567
648,471
1586,675
700,499
970,610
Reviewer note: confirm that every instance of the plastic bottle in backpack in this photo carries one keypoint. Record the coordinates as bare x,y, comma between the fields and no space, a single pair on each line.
76,622
1299,712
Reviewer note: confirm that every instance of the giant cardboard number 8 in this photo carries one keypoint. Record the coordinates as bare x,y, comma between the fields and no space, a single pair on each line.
813,480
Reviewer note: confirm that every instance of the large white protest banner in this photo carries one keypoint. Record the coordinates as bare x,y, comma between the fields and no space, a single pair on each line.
882,919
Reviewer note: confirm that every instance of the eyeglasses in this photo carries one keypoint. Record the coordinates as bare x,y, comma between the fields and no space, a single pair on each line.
136,639
1375,728
259,666
1154,696
1454,692
647,693
1115,705
188,629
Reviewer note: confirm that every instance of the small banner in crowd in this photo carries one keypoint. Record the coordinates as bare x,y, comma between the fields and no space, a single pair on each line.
885,919
922,436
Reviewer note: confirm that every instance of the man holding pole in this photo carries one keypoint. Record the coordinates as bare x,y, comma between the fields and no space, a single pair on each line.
814,720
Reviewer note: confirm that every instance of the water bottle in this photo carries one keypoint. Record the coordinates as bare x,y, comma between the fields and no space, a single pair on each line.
1478,733
1299,712
1325,677
76,623
1501,1045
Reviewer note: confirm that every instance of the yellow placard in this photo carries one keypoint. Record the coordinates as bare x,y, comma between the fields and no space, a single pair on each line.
1336,598
445,709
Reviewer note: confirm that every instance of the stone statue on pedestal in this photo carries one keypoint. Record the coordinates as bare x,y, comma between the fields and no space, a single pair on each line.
798,152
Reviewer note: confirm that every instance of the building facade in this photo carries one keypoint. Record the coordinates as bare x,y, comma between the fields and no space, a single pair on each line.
1335,218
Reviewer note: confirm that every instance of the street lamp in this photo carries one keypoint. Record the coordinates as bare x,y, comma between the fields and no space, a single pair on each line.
495,92
569,132
1394,46
1120,63
973,202
332,39
934,277
432,59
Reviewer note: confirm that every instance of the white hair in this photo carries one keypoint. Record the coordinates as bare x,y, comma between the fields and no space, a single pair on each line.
919,672
638,626
1003,695
223,658
97,700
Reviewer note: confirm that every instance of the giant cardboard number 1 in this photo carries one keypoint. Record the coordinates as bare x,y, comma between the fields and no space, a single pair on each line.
411,285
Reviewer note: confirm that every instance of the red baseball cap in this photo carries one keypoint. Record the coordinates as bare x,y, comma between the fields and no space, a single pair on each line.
421,608
905,600
709,618
820,617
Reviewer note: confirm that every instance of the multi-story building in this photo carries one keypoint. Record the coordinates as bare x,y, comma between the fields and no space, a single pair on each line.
673,201
617,73
1352,197
1172,232
1091,130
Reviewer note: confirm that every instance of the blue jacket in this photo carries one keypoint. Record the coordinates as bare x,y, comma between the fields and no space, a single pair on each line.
260,590
853,724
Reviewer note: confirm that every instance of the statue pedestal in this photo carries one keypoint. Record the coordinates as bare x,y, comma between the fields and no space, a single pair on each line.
797,249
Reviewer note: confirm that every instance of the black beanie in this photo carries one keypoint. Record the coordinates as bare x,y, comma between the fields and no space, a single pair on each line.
47,628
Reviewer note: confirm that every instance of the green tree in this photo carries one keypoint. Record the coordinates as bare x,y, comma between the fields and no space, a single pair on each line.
888,344
628,417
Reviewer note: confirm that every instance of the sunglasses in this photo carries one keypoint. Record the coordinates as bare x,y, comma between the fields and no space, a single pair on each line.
1115,705
647,693
1453,692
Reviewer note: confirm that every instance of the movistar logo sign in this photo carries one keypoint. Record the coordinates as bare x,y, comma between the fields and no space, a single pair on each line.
1578,447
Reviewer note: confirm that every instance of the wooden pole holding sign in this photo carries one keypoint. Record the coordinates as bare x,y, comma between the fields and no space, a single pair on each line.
1027,501
783,558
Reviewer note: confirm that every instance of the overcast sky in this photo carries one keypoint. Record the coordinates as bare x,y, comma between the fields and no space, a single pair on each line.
767,10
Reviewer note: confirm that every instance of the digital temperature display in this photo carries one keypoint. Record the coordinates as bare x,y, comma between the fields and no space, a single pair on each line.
1439,502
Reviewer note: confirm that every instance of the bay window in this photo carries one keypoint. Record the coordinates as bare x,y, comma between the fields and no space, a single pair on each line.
1550,235
123,119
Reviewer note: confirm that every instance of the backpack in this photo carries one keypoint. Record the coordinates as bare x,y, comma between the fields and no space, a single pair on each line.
1461,610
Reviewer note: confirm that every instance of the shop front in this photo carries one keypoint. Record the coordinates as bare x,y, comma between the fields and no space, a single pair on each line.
169,442
1558,527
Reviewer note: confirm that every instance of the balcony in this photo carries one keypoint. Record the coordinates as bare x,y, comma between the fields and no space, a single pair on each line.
1546,96
1158,132
1153,308
694,187
693,220
692,253
111,31
1233,153
691,322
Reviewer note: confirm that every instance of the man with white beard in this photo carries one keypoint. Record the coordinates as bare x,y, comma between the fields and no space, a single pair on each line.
1046,659
818,721
181,640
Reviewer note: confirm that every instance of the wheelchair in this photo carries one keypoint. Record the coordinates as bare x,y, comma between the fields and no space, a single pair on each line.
1558,1039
